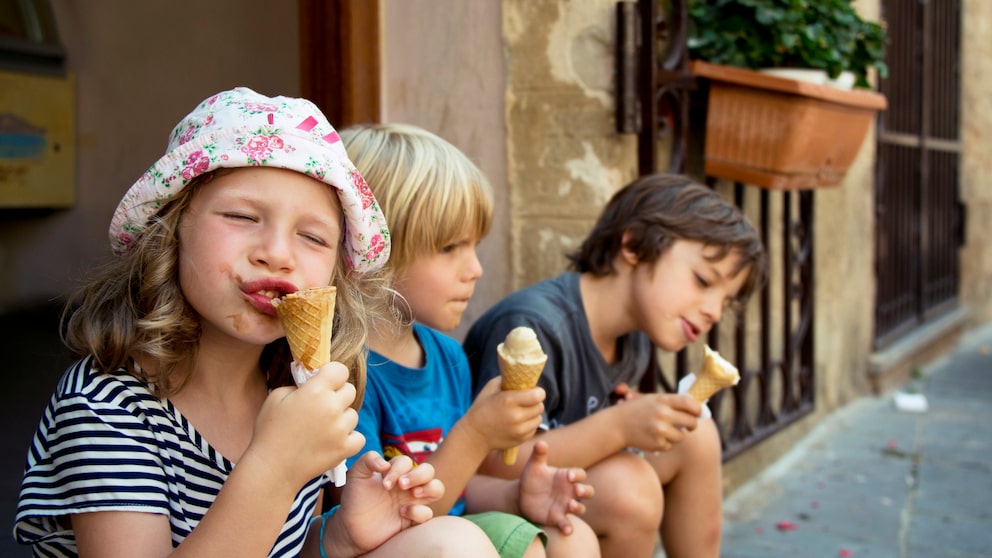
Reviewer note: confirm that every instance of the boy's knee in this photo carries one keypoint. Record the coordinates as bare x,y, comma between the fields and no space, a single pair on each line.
704,444
631,492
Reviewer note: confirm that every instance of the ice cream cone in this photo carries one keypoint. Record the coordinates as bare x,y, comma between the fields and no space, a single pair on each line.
521,361
307,318
715,374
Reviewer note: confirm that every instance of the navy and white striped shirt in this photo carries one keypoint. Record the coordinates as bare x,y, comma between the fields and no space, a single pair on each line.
106,443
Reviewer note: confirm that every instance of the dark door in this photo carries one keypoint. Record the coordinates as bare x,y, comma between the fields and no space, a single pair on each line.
919,219
339,58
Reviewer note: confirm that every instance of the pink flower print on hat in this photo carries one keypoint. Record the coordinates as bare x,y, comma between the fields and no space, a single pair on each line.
363,190
196,164
241,128
259,148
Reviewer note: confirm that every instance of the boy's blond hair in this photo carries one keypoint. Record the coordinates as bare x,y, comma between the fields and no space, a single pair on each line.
431,193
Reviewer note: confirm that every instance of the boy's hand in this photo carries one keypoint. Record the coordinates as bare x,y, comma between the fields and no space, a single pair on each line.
505,419
379,500
549,494
302,432
657,421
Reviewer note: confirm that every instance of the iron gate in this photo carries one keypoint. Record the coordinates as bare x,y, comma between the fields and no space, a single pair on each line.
772,342
919,219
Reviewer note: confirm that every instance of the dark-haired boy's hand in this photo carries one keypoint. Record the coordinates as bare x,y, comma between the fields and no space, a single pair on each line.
658,421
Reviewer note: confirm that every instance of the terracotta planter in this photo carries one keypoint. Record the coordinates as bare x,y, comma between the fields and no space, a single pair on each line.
781,133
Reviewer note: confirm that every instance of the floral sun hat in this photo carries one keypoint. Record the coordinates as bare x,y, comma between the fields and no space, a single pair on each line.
241,128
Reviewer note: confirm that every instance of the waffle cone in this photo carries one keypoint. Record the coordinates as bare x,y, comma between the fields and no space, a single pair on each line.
518,375
307,318
714,375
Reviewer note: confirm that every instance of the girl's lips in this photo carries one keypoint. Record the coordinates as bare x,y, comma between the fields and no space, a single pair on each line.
261,292
262,302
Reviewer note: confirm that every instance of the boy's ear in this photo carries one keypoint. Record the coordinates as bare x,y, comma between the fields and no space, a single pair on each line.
628,255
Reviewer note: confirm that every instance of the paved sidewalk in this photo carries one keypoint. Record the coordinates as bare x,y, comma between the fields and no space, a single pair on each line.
875,481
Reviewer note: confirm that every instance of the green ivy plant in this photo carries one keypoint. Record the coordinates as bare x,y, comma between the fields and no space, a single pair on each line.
820,34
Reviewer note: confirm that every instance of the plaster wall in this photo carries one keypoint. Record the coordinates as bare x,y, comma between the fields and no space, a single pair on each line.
443,70
565,158
976,137
139,68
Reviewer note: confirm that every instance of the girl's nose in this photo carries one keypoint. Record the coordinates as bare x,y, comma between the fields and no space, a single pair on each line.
274,250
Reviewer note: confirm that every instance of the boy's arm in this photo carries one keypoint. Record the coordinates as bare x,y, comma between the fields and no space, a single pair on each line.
568,446
649,422
486,426
486,493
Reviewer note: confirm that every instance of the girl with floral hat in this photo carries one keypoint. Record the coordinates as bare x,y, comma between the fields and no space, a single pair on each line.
178,431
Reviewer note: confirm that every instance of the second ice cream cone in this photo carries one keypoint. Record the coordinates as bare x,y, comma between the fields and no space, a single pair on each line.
521,361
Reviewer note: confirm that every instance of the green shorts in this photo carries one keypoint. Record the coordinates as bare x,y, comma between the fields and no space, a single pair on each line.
510,534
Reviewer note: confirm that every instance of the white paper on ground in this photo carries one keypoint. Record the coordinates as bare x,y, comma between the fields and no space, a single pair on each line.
685,384
910,402
300,375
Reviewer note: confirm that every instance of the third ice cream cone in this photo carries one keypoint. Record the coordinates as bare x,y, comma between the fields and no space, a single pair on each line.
715,374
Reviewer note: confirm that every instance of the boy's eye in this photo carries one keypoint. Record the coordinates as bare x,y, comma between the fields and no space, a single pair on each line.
451,247
702,280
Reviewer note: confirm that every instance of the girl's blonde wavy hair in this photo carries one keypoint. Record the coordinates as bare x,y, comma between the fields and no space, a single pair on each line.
133,305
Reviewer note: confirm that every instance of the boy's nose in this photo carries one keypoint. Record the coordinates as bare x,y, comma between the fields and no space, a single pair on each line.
473,269
712,307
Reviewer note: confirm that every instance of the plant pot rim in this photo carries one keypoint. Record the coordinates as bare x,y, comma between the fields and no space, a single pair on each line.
861,98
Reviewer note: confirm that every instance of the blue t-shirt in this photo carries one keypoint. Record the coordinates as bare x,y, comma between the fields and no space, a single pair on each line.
106,443
409,411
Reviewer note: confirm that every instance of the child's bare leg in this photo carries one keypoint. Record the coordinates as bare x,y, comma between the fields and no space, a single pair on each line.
693,485
439,537
582,542
626,511
536,549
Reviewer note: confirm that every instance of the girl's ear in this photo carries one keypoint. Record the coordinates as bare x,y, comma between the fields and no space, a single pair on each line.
628,255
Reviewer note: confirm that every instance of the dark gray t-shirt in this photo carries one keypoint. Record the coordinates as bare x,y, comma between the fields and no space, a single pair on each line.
577,379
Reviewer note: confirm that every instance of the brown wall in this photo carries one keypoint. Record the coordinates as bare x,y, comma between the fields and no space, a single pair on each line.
139,67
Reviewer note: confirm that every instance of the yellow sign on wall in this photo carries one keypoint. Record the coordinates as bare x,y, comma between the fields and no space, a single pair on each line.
37,140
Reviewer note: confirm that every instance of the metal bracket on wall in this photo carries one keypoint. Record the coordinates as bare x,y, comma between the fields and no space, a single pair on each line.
653,83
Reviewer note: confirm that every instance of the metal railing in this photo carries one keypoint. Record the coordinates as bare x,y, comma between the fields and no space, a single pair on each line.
771,343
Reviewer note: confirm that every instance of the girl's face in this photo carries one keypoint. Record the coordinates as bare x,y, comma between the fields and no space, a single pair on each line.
252,234
677,299
438,287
